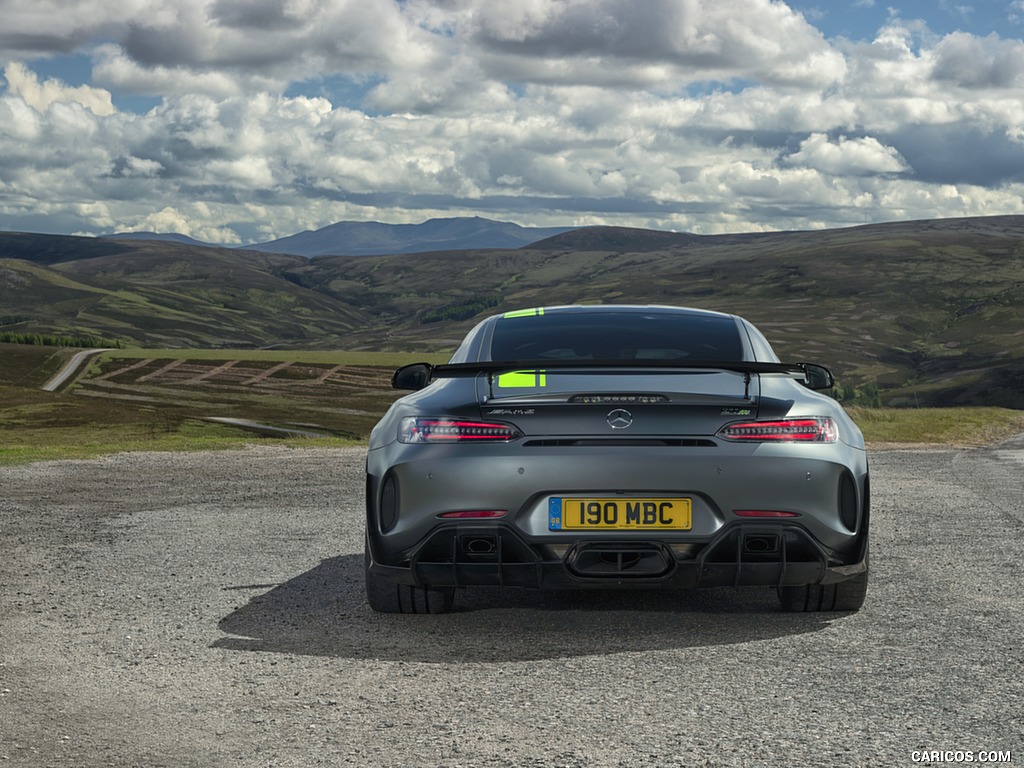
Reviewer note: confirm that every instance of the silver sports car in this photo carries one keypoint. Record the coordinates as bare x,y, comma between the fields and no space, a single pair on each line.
616,446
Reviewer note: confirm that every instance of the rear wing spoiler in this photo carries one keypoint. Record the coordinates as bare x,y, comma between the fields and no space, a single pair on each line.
418,375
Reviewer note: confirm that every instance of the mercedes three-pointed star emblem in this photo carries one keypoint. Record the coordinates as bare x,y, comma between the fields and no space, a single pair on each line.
620,418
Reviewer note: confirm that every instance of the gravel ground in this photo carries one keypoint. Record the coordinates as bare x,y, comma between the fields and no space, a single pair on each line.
207,610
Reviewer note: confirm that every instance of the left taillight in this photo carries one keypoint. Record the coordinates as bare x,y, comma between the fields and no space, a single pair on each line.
417,429
809,430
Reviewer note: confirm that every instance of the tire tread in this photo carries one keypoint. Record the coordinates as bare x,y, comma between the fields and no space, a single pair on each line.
386,596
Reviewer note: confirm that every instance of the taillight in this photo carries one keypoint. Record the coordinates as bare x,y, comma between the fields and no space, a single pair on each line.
810,430
416,429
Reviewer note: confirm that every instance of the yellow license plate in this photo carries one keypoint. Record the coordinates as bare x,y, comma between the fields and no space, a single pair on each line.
619,514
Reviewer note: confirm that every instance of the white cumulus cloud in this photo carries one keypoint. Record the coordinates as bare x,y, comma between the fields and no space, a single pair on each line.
40,95
265,117
847,157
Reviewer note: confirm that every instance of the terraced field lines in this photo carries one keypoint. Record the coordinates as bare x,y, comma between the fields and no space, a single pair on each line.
327,374
212,372
117,371
265,374
160,371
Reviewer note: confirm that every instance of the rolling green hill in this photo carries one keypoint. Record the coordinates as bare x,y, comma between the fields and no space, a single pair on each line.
163,294
931,312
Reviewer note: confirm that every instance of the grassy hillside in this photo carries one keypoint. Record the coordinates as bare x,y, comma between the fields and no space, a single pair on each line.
172,399
931,313
131,400
163,294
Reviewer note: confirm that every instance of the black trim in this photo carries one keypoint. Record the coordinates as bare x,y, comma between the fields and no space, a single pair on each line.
449,370
444,559
618,442
745,367
389,502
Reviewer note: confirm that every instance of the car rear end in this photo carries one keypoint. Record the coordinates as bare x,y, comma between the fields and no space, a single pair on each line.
634,466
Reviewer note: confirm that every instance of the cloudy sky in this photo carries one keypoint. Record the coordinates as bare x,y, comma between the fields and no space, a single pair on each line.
240,121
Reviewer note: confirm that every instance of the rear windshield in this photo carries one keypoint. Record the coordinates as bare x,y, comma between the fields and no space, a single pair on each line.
617,336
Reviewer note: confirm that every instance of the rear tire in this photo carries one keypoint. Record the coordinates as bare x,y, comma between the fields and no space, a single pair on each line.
845,596
386,596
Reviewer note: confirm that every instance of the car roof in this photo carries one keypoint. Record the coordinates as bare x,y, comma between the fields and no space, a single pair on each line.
476,344
605,308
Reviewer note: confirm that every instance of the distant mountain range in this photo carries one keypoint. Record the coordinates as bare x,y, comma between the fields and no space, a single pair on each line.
367,238
163,237
930,312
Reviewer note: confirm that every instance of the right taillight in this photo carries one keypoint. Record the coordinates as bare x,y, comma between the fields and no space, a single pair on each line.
808,430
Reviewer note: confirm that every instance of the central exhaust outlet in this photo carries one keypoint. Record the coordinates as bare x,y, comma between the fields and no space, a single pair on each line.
622,560
761,544
619,560
483,544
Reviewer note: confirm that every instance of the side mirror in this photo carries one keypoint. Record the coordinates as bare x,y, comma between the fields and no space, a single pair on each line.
413,376
817,376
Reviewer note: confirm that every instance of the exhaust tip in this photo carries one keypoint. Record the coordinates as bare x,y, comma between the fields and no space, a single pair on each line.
761,544
480,545
619,560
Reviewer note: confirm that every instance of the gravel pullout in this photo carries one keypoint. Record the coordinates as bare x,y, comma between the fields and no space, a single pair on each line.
207,609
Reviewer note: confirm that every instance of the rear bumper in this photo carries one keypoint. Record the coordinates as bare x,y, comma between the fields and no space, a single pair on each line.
741,554
802,479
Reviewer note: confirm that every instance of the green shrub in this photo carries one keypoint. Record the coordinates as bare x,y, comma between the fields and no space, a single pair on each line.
45,340
462,310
